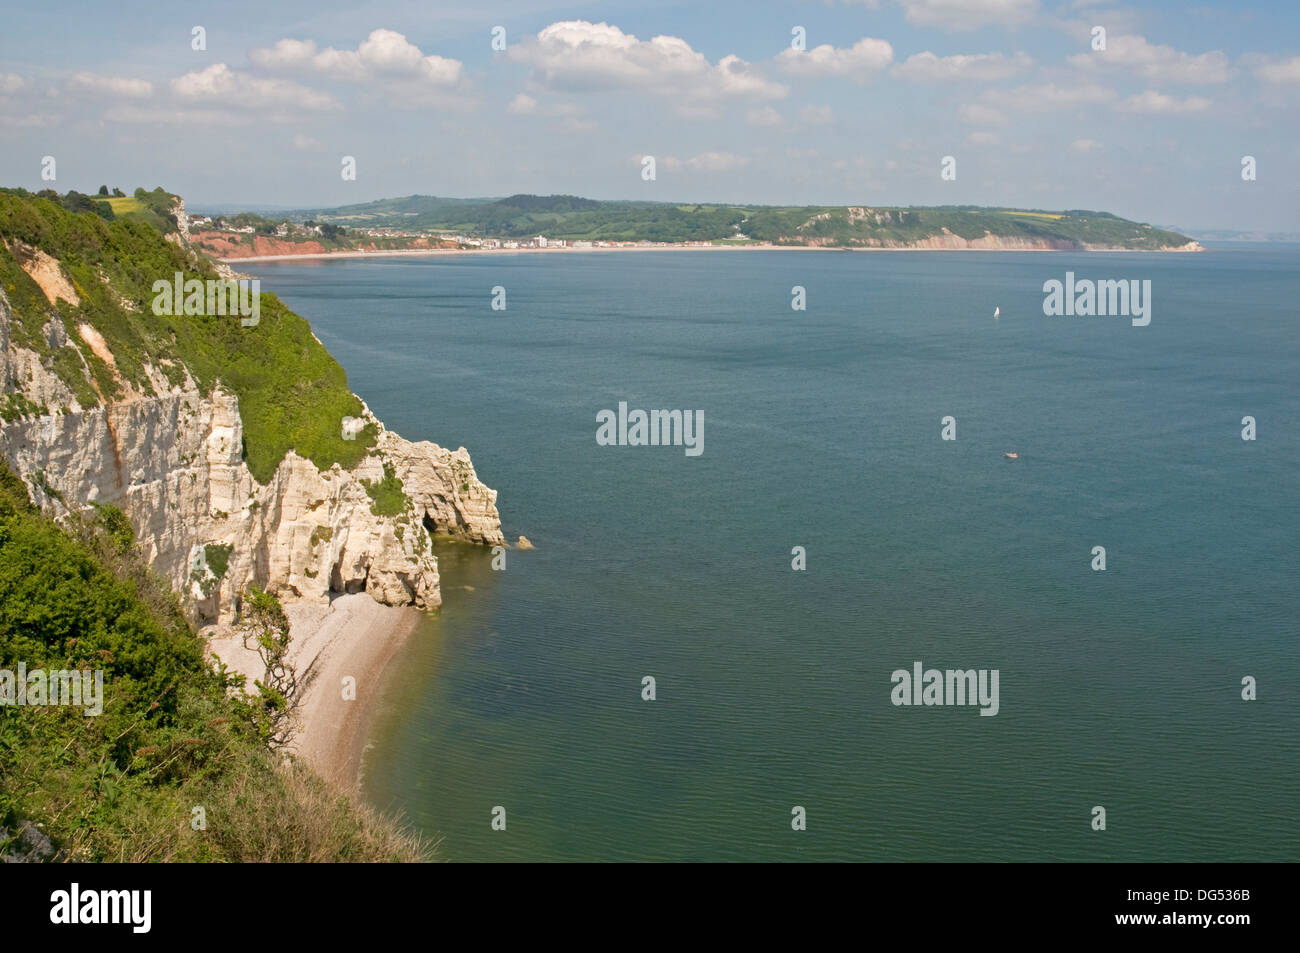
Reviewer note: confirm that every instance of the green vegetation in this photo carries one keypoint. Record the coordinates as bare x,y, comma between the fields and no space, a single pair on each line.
174,735
262,621
329,234
461,472
262,226
873,226
292,393
217,557
216,560
41,482
388,495
124,206
15,405
568,217
153,208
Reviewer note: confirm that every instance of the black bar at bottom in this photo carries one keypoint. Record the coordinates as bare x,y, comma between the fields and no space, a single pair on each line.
1150,901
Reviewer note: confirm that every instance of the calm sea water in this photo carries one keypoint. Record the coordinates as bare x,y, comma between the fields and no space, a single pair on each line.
822,429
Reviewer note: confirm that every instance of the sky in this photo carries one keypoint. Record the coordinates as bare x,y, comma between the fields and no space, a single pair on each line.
1155,127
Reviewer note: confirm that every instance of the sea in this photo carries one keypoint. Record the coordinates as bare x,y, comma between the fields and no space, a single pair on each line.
702,657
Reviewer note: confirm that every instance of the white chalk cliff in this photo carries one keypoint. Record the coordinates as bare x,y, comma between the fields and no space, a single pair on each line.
171,461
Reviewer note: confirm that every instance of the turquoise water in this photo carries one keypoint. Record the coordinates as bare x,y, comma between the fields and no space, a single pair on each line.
822,429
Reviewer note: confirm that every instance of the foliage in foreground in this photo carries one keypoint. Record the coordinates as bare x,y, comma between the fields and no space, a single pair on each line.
174,735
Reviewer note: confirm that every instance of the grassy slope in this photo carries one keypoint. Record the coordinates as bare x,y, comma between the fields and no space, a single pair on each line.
292,393
123,785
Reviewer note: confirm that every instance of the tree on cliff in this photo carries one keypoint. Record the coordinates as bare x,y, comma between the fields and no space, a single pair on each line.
263,622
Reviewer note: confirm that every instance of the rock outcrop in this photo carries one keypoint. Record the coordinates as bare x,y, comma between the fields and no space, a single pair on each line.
172,461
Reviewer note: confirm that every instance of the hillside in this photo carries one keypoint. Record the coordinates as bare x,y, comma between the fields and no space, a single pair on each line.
169,466
291,391
572,218
237,450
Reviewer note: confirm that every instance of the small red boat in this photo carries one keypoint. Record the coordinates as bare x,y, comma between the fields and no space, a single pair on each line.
1012,455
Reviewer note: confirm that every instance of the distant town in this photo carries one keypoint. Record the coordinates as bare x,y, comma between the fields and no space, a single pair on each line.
217,234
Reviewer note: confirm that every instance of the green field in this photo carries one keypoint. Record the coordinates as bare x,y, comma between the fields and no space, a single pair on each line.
121,206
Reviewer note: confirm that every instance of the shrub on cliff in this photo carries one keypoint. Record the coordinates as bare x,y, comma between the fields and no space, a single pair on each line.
388,495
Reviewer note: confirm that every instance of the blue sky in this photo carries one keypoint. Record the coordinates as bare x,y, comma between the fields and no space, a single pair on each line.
1154,127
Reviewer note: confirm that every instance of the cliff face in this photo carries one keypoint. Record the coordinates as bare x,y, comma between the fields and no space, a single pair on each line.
946,240
172,460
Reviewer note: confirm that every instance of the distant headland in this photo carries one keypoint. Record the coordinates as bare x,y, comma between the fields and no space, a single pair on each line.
421,224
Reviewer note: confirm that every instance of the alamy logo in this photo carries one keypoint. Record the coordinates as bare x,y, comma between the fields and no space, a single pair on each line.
212,297
1087,298
657,428
82,689
951,687
134,907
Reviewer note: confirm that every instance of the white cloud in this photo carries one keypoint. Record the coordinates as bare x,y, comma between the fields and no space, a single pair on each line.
968,14
982,139
816,115
307,144
33,121
926,67
716,162
384,55
735,77
522,105
860,61
582,56
1271,70
764,116
287,54
978,114
697,110
117,87
1157,64
219,85
1036,98
1084,146
10,83
525,105
1152,101
210,116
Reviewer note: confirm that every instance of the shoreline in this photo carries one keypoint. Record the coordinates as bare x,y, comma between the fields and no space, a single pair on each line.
438,252
352,636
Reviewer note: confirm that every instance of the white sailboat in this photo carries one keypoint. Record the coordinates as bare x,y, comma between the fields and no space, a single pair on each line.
996,311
